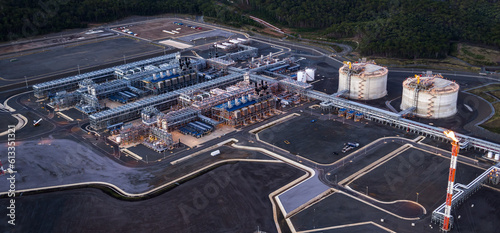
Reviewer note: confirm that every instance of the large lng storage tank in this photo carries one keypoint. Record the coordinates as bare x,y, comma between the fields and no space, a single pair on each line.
367,81
430,95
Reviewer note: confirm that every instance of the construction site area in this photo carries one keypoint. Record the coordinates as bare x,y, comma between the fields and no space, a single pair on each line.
214,121
160,29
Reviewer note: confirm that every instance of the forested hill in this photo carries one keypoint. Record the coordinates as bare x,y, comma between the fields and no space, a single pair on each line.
397,28
25,18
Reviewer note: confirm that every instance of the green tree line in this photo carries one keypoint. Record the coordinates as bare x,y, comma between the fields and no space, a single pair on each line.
396,28
27,18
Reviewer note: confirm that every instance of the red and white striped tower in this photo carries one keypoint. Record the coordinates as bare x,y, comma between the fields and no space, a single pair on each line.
451,179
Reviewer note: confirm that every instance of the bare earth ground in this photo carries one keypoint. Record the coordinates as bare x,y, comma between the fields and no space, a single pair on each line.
19,46
153,30
319,140
52,162
66,58
56,162
412,172
231,198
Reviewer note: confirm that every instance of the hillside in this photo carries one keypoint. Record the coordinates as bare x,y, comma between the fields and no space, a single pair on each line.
394,28
391,28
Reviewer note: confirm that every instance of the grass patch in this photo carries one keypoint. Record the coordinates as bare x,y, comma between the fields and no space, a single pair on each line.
495,93
441,64
473,55
492,88
476,55
493,124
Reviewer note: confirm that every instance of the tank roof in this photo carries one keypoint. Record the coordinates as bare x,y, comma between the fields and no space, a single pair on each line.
433,83
366,69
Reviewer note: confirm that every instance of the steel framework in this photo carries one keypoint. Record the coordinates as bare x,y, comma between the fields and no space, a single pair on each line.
394,119
461,193
180,117
41,90
244,110
159,140
132,111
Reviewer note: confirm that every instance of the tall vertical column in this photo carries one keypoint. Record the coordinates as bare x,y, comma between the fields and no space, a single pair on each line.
451,180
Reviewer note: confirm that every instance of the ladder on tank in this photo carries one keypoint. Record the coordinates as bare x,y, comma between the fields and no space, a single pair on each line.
349,73
361,87
349,82
415,99
430,106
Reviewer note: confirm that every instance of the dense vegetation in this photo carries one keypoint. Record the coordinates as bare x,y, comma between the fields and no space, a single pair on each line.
27,18
397,28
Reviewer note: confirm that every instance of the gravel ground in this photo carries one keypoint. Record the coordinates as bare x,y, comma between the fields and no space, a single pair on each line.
412,172
339,209
318,141
55,162
88,53
230,198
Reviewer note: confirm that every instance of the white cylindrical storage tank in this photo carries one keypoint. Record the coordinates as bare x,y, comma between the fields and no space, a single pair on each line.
497,157
436,97
490,155
310,74
301,76
368,81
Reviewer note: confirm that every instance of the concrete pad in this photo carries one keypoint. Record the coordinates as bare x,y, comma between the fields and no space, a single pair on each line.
175,44
192,141
302,193
212,33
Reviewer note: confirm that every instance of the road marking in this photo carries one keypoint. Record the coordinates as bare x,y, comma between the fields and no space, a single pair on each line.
134,155
204,150
65,116
375,164
349,225
136,195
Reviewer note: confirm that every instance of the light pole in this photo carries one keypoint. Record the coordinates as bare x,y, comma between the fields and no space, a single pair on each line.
366,190
26,80
417,197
